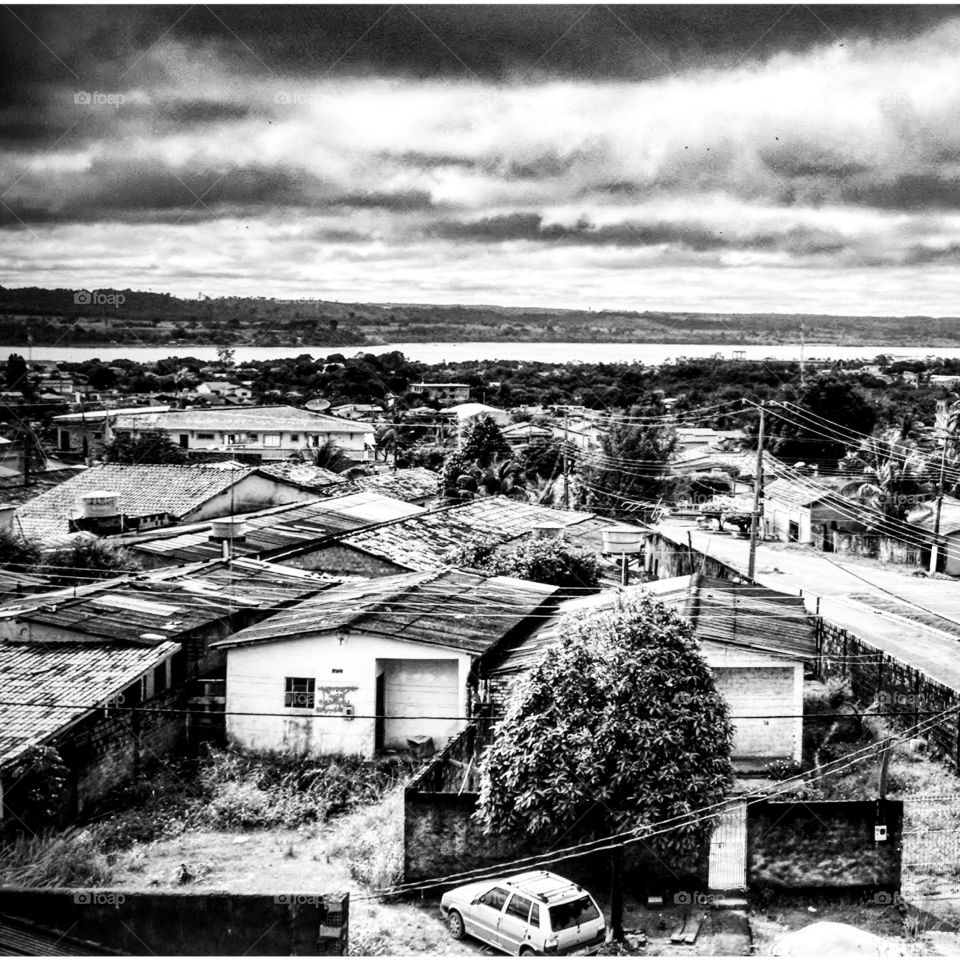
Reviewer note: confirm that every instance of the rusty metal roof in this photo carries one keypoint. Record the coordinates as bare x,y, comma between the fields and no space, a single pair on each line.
456,609
274,531
149,610
721,612
67,680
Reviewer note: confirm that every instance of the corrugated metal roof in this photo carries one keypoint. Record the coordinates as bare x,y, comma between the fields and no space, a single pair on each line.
448,609
69,679
151,610
277,530
723,612
797,493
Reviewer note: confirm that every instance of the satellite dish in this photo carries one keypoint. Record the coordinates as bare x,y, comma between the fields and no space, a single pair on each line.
317,405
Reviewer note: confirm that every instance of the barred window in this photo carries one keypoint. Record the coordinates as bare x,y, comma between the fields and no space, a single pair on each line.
300,692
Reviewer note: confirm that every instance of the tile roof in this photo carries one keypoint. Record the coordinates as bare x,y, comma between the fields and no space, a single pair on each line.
724,613
71,679
798,493
143,488
448,609
98,415
276,530
425,542
276,418
12,489
410,483
165,606
303,474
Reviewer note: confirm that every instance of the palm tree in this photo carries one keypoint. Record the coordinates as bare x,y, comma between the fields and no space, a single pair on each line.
892,470
503,477
330,456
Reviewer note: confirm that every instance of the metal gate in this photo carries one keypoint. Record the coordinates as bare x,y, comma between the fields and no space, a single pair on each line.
930,863
728,850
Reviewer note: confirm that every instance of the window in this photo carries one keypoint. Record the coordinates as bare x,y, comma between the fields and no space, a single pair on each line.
206,436
494,898
271,439
566,915
300,692
159,678
253,437
97,435
535,915
519,907
294,437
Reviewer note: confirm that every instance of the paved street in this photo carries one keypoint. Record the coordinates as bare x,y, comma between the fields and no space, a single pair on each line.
835,580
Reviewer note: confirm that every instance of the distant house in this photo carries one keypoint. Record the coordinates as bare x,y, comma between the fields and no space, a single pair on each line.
273,432
949,531
224,389
807,511
357,411
86,433
520,435
701,438
113,497
372,665
443,393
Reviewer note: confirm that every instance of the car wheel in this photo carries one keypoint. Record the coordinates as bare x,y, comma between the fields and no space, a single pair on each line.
455,925
527,952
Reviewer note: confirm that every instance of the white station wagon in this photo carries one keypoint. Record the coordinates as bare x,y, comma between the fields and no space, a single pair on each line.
531,913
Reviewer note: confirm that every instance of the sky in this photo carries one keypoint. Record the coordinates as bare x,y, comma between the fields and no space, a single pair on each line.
790,159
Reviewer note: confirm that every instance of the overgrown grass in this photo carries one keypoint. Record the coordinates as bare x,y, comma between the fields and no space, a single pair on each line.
69,859
370,842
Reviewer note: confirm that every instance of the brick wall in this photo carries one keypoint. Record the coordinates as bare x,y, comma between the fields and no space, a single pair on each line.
191,924
824,844
110,747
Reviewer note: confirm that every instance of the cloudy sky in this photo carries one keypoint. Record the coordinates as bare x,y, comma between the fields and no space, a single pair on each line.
790,158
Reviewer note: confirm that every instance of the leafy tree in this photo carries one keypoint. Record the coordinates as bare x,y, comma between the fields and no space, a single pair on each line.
16,372
617,728
329,455
544,561
152,446
86,560
482,442
18,551
102,377
632,464
892,473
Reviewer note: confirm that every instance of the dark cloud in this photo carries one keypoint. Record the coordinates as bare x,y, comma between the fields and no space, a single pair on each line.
398,202
912,191
188,113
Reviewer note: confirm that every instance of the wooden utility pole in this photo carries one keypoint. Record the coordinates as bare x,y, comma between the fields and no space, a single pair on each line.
566,462
757,487
616,893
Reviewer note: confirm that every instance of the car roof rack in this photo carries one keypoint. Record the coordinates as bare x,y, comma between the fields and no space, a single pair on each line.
543,886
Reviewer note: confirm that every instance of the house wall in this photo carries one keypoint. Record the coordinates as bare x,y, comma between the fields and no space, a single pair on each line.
767,686
777,517
952,558
253,492
345,669
410,685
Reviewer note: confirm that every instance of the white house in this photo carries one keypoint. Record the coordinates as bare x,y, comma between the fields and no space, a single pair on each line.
351,671
273,432
86,432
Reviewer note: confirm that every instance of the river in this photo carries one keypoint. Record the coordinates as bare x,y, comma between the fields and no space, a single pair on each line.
649,353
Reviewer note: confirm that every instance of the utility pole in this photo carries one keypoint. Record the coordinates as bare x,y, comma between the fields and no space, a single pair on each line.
803,342
934,546
757,487
566,462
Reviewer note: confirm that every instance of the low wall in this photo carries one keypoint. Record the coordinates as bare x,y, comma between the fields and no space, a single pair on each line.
886,549
824,845
191,924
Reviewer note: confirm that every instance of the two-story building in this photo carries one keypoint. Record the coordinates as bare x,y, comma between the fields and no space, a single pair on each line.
443,393
272,432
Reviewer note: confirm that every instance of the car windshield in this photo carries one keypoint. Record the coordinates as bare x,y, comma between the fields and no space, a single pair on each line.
563,916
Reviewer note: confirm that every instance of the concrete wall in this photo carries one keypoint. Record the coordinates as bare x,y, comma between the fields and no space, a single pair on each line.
189,924
765,686
345,669
824,845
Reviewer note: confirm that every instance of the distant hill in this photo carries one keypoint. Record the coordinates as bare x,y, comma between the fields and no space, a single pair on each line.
70,317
